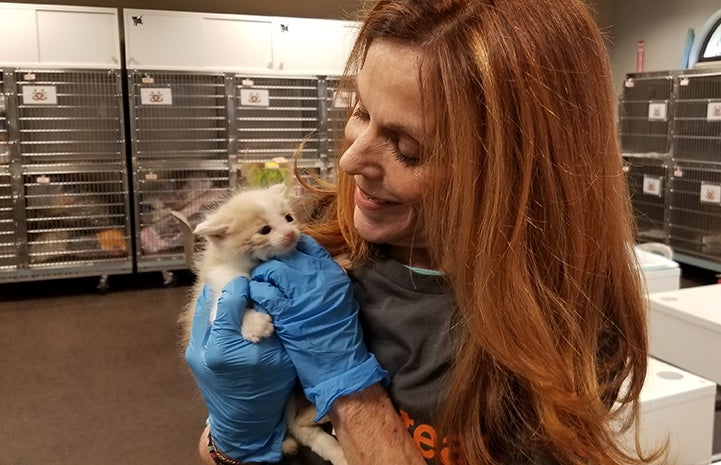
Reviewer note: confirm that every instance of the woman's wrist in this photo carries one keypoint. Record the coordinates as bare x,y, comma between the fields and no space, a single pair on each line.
370,430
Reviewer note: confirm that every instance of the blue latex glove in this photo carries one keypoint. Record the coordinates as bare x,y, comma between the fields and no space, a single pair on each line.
315,315
245,386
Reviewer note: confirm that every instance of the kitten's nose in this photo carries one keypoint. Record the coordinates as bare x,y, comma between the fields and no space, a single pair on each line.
289,237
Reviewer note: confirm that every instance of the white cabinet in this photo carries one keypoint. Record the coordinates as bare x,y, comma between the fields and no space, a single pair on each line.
18,36
318,46
162,39
239,43
168,40
59,36
194,41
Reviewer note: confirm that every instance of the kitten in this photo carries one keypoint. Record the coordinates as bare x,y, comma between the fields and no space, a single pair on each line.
251,226
255,225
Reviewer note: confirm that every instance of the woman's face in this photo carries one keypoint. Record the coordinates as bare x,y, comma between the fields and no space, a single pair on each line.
386,134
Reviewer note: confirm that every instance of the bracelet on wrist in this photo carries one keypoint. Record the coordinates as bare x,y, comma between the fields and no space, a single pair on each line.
220,458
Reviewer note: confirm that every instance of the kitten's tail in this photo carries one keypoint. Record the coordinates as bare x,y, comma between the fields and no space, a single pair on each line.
300,415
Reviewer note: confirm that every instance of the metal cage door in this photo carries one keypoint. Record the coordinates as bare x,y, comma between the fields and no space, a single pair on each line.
180,137
71,147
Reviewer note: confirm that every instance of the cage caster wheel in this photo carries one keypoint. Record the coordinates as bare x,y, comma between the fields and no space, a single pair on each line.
103,285
169,279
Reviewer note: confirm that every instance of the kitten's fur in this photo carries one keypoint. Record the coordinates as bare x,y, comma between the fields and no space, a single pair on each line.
252,226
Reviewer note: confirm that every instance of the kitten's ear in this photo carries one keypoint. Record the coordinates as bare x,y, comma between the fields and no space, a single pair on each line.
211,228
279,189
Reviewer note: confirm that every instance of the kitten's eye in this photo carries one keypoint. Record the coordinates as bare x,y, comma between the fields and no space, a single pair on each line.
265,230
289,218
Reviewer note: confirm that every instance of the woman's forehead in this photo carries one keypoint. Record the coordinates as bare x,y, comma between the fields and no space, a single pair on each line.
388,85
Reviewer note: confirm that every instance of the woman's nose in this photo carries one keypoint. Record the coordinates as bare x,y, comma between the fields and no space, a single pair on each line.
361,157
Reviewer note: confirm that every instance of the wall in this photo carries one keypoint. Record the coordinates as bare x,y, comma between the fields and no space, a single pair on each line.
329,9
603,12
662,24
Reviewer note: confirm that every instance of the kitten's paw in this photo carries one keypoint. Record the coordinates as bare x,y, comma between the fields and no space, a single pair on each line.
289,446
256,326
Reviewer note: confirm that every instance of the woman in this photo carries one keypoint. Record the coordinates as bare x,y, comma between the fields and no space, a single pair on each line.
481,171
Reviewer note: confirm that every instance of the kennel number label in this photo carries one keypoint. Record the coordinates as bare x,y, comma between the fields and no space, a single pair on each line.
653,186
657,111
254,97
711,193
713,111
156,96
40,95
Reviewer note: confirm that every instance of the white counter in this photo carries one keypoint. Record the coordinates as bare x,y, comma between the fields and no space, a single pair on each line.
685,329
659,273
678,406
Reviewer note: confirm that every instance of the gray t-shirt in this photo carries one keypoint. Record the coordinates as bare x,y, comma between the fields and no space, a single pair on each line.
406,323
405,316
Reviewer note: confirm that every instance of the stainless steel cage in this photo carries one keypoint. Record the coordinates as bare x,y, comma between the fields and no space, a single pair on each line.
647,181
645,112
76,215
180,142
81,121
339,102
8,225
69,178
195,136
697,118
276,117
695,210
188,189
177,116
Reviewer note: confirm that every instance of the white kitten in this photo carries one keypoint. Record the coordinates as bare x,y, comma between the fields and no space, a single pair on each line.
252,226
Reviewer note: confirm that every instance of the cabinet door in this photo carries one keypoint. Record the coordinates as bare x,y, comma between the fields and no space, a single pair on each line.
18,36
312,46
238,43
162,39
78,37
197,41
64,36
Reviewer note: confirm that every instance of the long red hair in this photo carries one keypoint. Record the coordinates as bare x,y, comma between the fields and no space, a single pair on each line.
530,220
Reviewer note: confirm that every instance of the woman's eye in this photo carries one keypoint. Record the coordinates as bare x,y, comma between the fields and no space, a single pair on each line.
265,230
360,113
289,218
408,160
406,152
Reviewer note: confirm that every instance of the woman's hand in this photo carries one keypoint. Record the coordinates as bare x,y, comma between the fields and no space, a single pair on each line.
245,386
315,315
